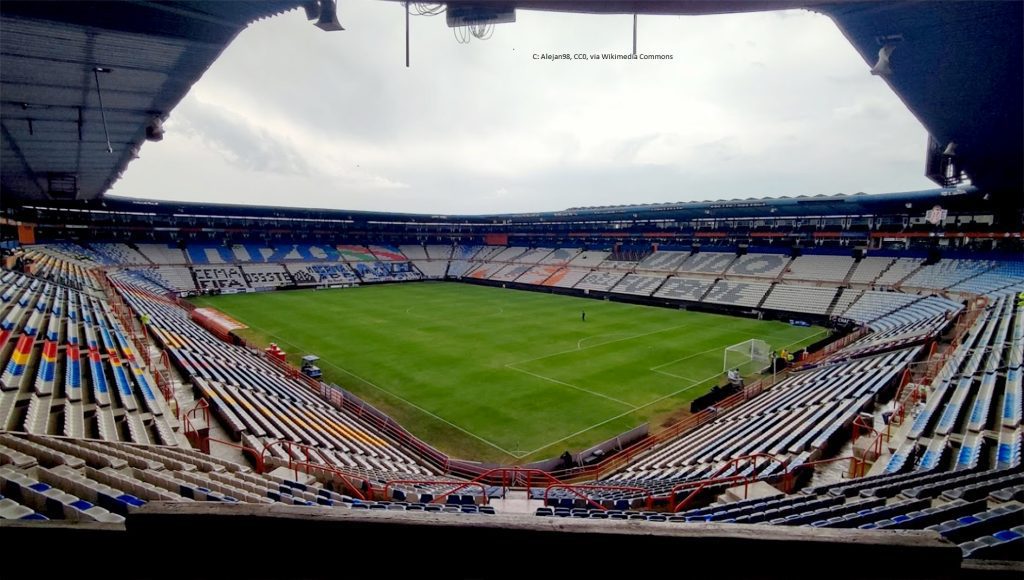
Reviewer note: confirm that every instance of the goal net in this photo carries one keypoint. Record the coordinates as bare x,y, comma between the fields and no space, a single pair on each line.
750,357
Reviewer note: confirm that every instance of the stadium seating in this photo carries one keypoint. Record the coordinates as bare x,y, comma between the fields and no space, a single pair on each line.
678,288
869,269
260,404
416,252
707,263
560,256
638,285
600,281
432,269
758,266
311,274
566,277
387,253
437,252
589,259
539,274
663,261
120,253
266,275
47,374
510,272
947,474
946,273
807,299
821,268
898,270
162,253
224,278
209,254
748,294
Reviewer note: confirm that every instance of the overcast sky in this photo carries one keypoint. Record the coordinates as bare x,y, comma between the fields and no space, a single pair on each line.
774,103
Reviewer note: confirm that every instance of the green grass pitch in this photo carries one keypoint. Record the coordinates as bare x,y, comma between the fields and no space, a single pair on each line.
503,375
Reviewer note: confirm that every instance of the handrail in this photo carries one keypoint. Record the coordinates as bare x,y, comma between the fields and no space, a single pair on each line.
857,466
714,478
260,467
314,467
460,485
190,431
293,465
885,435
511,475
575,489
201,405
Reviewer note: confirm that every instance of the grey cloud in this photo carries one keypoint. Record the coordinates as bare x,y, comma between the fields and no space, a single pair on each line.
241,143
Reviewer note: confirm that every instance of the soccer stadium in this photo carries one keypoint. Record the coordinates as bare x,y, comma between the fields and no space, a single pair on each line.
823,385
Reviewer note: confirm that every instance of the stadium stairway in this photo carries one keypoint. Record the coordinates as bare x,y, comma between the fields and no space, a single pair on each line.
836,298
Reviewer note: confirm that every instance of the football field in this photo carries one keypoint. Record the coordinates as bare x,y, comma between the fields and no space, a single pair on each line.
504,375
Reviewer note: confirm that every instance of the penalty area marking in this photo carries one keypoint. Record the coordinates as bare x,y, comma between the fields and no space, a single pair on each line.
621,415
571,386
579,343
658,400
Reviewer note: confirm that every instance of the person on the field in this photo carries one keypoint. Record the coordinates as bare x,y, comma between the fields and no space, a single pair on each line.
734,377
583,316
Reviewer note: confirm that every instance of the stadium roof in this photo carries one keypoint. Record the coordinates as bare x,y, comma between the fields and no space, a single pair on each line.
962,200
957,66
54,134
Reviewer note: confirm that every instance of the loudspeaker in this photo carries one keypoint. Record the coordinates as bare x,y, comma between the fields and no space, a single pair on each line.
155,129
328,16
882,67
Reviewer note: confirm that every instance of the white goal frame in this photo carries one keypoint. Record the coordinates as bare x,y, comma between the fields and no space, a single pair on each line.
749,356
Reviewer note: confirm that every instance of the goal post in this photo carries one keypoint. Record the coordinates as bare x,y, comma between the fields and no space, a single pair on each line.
750,357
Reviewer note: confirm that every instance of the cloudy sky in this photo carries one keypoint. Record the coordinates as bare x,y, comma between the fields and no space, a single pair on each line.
750,105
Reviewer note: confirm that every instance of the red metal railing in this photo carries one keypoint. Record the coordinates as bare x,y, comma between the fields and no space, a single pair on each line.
717,478
139,338
858,468
875,448
202,407
257,458
833,347
361,491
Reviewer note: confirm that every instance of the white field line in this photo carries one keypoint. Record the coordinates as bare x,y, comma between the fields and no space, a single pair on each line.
579,343
673,375
655,369
571,386
620,415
